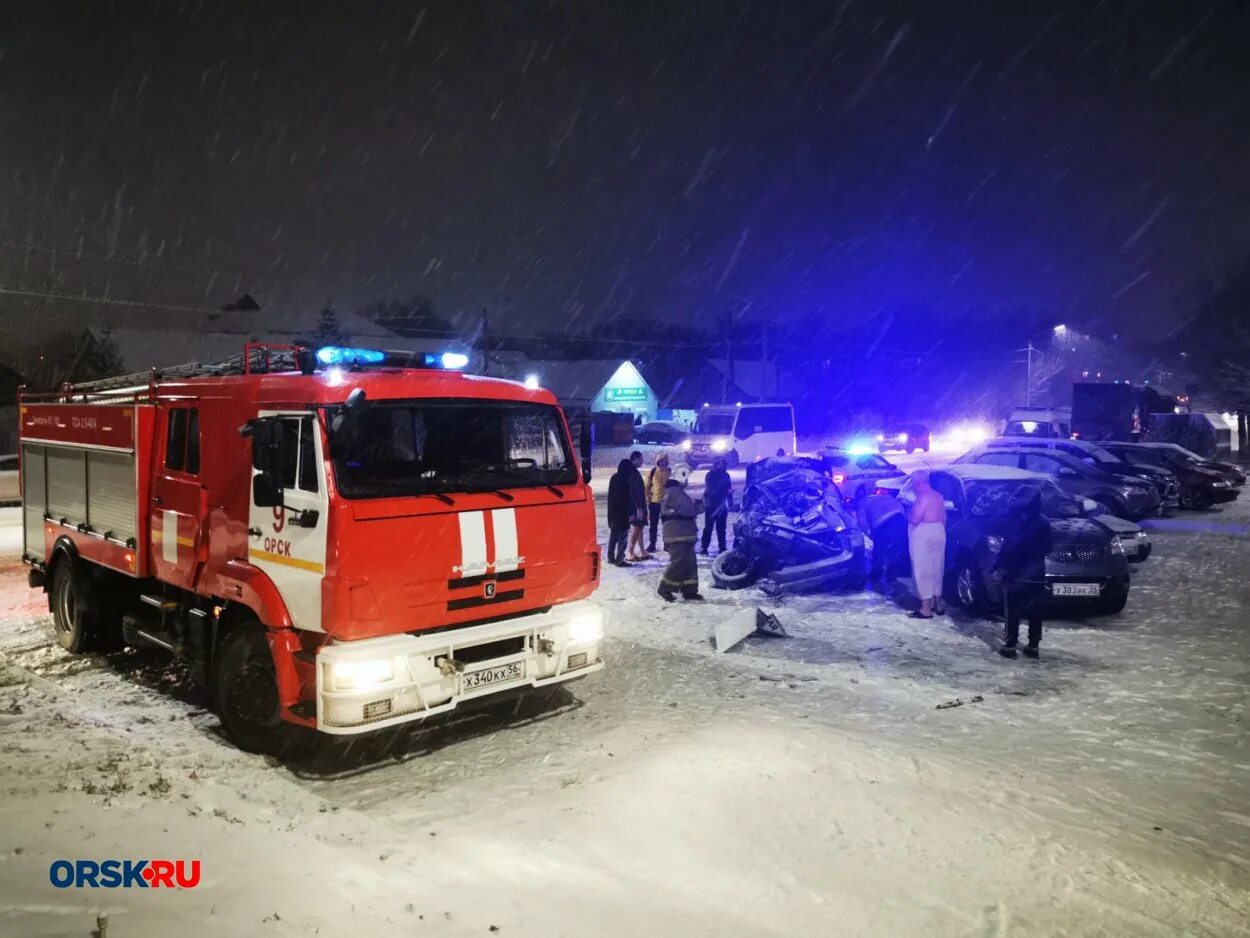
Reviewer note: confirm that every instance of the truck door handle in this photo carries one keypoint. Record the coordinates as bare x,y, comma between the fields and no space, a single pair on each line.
254,532
157,500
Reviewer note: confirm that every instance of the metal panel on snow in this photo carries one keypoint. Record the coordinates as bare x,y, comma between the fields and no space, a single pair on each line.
34,497
67,484
111,507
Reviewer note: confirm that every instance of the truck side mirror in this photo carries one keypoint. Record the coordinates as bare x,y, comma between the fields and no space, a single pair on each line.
266,492
586,444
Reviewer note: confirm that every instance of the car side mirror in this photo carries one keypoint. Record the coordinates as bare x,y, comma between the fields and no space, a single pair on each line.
266,492
1066,473
1088,506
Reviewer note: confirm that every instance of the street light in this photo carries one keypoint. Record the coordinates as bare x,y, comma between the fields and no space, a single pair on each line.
1061,330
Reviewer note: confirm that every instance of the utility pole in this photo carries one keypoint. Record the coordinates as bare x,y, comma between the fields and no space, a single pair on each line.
1028,387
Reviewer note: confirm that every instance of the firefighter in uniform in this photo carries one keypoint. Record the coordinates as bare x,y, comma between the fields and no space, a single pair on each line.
678,512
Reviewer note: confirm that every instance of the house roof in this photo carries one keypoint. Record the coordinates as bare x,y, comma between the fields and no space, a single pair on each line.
571,381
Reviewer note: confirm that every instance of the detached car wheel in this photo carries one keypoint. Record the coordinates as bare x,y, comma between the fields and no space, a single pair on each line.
245,696
732,569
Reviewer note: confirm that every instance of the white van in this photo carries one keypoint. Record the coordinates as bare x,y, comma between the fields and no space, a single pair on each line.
1048,422
741,433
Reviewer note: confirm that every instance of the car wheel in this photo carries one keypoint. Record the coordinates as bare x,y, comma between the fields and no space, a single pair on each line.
245,696
969,589
732,570
1196,499
1113,602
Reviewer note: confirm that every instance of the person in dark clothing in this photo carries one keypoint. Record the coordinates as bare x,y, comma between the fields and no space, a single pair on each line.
679,512
638,488
718,493
883,519
620,512
1021,568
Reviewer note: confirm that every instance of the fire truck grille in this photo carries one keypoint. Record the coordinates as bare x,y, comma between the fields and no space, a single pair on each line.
1077,554
469,602
490,650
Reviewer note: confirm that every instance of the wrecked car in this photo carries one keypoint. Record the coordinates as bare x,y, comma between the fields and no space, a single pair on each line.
794,533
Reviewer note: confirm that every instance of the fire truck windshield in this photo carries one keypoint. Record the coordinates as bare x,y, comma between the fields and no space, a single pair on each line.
429,447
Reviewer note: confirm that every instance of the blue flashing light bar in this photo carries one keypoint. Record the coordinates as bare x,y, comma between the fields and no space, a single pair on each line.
449,360
337,355
860,448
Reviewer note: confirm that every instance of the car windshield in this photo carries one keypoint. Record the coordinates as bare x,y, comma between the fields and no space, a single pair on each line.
990,497
1098,454
1184,453
715,424
427,447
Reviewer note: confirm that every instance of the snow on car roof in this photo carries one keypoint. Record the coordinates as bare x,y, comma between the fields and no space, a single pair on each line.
980,471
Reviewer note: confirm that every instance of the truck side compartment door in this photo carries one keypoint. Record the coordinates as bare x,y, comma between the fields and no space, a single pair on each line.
177,497
289,542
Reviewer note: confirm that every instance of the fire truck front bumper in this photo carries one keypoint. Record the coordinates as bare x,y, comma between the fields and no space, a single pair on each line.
380,682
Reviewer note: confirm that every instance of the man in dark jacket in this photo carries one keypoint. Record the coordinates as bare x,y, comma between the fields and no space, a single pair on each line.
1021,568
883,519
678,511
620,512
718,493
638,488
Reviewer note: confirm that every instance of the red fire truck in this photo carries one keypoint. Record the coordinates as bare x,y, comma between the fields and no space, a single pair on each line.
343,540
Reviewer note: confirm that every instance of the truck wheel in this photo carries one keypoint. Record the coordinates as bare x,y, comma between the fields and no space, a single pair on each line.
74,611
732,570
245,696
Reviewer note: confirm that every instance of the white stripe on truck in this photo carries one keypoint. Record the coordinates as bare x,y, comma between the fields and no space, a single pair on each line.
503,520
472,543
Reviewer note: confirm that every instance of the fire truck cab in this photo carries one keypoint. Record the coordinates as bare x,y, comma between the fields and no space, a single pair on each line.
335,540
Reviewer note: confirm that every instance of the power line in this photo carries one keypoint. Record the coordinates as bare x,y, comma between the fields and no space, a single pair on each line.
113,259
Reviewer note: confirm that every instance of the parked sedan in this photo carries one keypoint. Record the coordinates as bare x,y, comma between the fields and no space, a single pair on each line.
660,433
1086,569
1129,498
1230,471
856,474
1099,457
9,485
1200,487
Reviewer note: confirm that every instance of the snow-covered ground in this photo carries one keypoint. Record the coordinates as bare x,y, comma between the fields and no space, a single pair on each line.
806,785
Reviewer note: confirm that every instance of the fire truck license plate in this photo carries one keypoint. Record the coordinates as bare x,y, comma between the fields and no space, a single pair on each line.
1076,589
488,676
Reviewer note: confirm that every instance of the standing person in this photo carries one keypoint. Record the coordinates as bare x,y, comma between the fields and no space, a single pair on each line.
638,521
883,518
657,479
1021,567
679,512
620,513
718,494
926,540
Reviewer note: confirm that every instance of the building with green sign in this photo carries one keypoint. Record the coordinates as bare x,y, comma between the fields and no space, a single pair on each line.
596,385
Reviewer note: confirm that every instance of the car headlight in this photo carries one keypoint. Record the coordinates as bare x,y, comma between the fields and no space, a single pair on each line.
902,437
1142,535
1129,491
880,437
994,543
686,444
586,627
719,446
1222,484
363,674
1117,547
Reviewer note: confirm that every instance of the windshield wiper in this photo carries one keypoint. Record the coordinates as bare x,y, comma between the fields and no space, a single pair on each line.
551,488
445,499
504,495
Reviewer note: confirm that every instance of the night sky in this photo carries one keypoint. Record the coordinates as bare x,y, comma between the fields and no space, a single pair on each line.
561,163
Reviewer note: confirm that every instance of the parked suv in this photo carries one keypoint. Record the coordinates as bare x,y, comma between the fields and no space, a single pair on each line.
1098,456
1200,487
1086,569
1127,498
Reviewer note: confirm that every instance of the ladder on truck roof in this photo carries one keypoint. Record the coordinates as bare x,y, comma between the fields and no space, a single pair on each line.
255,359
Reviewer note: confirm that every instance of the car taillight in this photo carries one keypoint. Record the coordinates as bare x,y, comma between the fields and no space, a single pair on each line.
594,566
838,478
880,491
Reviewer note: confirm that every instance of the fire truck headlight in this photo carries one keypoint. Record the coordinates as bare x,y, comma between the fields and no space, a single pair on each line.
719,446
586,627
363,674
